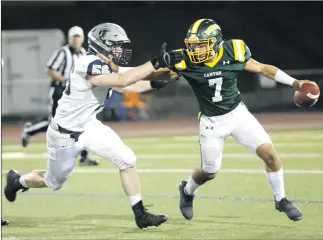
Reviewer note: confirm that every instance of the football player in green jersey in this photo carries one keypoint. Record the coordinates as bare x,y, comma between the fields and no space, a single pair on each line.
210,66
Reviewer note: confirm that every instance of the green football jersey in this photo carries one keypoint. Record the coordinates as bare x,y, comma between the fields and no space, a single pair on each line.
215,83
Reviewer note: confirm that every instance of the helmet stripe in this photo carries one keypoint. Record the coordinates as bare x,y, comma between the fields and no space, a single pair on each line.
196,26
212,28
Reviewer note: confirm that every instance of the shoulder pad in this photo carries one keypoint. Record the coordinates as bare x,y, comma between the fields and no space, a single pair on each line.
91,65
237,50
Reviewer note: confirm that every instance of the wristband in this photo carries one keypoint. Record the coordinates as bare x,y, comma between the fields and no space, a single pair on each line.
284,78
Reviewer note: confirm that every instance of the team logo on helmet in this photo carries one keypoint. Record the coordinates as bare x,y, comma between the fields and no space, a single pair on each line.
211,28
103,35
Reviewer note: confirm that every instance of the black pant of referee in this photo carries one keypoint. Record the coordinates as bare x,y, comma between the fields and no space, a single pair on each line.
55,93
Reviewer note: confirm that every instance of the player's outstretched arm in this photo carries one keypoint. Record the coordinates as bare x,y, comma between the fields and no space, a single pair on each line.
152,82
273,73
160,74
122,80
143,86
157,78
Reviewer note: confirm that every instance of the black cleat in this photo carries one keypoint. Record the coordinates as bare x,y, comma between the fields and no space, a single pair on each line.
145,219
86,161
4,222
25,137
13,186
287,207
186,201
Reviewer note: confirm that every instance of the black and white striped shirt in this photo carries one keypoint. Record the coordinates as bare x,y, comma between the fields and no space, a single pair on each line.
62,61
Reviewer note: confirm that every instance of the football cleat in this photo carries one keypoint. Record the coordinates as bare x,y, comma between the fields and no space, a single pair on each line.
286,206
86,161
145,219
4,222
25,137
186,201
13,186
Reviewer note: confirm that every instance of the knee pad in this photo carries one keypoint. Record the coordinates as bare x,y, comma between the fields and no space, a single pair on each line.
56,182
210,168
211,160
52,183
209,176
128,158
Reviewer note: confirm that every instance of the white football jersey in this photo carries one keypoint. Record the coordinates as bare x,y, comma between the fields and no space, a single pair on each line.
80,101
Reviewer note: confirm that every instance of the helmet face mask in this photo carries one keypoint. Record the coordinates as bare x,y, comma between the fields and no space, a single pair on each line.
200,50
110,40
203,40
120,54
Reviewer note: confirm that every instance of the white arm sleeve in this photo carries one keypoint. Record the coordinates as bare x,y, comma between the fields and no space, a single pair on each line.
284,78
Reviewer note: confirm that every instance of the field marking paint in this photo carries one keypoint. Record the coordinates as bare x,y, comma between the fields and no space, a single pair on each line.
23,156
174,146
179,170
276,136
226,145
209,197
24,238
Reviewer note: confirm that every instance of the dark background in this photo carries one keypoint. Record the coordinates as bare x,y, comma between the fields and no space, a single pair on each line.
287,34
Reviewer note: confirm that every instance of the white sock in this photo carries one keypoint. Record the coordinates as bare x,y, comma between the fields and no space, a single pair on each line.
134,199
276,180
191,186
23,182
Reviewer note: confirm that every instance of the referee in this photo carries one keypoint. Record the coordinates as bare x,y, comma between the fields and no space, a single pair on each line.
59,68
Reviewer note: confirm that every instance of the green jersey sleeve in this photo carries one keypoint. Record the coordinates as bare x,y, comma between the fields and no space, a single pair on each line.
239,53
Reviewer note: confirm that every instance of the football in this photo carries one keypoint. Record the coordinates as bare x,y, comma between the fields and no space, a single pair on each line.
307,95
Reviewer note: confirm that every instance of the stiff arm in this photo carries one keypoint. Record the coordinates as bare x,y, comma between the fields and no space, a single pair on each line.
273,73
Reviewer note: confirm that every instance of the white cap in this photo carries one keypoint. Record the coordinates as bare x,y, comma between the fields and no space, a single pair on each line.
76,30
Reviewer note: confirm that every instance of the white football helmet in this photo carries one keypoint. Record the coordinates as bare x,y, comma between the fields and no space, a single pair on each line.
110,39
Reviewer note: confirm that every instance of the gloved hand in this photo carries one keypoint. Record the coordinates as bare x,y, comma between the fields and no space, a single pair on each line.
167,59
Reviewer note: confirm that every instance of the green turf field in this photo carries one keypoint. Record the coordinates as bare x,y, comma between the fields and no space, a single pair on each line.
236,205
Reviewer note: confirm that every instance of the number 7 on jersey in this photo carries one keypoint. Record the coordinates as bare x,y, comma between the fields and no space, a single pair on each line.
217,95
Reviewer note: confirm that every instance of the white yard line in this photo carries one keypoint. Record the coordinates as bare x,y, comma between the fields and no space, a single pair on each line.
227,155
32,156
274,136
226,145
172,146
172,170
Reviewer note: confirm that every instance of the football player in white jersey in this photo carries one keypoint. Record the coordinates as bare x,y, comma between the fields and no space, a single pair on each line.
75,126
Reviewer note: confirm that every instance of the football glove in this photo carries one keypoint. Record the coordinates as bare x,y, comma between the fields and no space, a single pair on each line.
167,59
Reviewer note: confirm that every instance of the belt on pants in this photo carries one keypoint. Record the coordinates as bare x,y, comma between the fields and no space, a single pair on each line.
73,134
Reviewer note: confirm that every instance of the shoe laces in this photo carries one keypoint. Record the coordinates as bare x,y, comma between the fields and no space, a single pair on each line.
188,198
148,214
145,207
285,201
